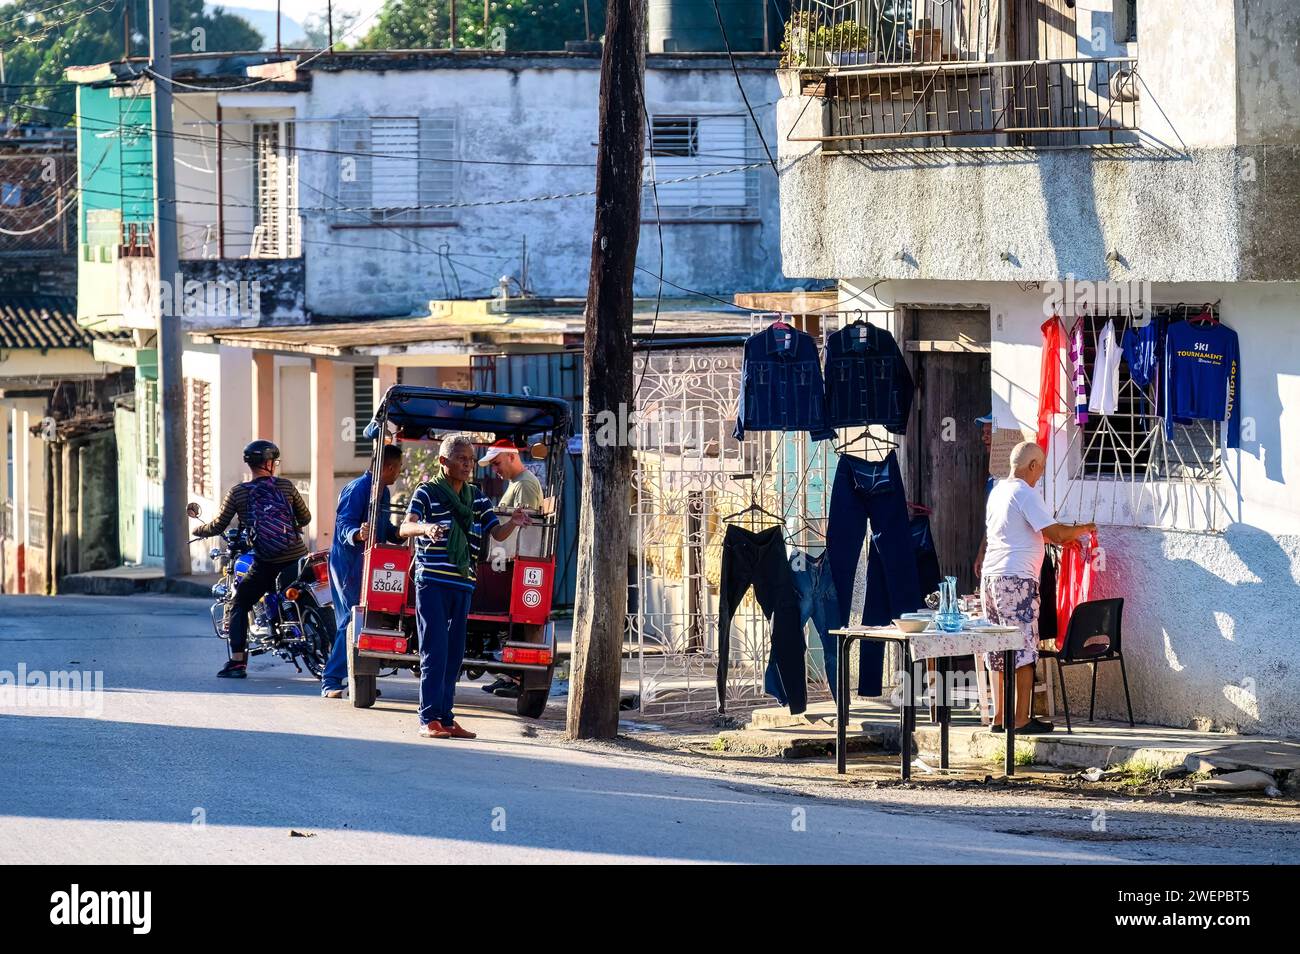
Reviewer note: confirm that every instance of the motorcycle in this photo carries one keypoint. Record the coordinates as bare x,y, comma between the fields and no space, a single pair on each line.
294,622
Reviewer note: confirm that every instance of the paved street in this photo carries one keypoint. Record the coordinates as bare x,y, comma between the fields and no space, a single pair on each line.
170,765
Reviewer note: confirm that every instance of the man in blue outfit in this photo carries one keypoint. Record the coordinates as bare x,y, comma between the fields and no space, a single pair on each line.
347,554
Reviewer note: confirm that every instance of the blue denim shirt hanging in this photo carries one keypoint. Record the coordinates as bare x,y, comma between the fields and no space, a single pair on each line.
867,381
781,385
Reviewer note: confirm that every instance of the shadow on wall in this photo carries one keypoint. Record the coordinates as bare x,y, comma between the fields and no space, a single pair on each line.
1208,629
1073,225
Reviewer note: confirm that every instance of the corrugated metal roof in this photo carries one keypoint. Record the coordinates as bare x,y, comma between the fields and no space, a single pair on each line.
40,322
389,336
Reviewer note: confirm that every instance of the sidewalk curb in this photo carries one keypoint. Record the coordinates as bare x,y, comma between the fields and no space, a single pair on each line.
97,584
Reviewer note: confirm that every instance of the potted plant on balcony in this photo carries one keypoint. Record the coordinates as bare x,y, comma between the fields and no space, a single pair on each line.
799,33
846,44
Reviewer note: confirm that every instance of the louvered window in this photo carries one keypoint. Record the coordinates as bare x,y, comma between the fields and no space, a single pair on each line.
696,160
363,407
198,395
277,232
396,170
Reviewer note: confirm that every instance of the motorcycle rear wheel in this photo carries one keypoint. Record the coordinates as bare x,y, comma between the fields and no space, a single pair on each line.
319,637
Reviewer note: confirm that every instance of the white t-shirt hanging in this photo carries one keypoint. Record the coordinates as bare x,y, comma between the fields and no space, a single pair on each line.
1016,516
1105,373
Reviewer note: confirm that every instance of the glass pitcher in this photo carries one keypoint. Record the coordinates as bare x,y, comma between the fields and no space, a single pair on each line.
949,616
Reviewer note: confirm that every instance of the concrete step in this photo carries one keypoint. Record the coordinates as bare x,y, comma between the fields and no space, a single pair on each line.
132,580
873,725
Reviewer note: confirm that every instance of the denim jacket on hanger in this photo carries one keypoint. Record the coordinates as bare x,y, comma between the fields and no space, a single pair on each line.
867,381
781,385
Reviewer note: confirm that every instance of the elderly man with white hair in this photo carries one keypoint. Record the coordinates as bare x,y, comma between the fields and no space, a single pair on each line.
1017,525
450,516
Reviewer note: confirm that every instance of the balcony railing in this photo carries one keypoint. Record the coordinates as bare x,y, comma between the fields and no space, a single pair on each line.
920,73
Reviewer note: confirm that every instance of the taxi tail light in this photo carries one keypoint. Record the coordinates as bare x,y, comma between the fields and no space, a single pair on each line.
527,655
382,644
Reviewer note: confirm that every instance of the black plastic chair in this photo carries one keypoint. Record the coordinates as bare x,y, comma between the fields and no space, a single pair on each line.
1093,636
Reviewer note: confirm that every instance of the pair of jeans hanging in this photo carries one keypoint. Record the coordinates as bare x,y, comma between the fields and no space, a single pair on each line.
818,604
758,559
871,492
928,573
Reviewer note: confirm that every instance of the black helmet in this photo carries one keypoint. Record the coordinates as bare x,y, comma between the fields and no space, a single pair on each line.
260,453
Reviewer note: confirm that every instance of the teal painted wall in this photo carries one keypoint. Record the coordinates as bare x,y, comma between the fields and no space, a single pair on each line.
115,175
115,154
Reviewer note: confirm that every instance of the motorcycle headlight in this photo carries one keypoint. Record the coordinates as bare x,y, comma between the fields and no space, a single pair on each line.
215,553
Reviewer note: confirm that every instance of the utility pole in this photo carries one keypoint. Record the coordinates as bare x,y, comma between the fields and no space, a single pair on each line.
600,611
175,529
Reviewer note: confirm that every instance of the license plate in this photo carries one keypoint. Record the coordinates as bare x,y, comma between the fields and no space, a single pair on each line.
387,581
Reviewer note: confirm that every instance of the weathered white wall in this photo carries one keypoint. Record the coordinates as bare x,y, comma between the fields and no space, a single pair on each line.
526,115
228,372
1208,616
1188,65
1207,197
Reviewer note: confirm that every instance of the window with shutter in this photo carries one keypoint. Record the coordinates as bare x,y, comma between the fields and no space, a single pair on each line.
394,170
694,160
363,407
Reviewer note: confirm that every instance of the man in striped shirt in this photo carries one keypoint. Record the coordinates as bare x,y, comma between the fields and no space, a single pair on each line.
449,517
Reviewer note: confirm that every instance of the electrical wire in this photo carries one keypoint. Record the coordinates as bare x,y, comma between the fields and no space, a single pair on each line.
484,203
267,79
731,58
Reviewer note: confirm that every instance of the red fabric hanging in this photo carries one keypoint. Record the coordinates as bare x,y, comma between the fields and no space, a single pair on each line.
1073,582
1050,398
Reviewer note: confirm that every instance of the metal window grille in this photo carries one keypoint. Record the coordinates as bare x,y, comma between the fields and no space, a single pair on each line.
396,169
363,407
1121,468
36,528
277,232
698,149
689,473
199,401
150,423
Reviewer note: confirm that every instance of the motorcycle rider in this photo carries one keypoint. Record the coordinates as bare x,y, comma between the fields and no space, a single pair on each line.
274,513
347,553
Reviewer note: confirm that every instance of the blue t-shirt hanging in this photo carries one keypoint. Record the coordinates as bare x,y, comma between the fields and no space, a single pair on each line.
1202,376
1144,350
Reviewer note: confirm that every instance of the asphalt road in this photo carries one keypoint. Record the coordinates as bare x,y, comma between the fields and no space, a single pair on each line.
168,764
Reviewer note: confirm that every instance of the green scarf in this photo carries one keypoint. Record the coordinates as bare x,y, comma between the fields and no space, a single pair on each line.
462,518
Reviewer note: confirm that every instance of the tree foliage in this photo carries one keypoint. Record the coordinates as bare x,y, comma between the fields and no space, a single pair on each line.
41,42
512,24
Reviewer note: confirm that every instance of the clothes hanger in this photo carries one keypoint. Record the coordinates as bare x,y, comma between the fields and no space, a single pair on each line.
877,443
754,507
1206,317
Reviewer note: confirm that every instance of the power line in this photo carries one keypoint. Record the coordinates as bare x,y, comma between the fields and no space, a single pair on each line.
731,58
485,203
267,79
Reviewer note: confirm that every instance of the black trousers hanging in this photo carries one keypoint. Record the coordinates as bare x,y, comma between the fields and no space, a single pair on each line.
759,559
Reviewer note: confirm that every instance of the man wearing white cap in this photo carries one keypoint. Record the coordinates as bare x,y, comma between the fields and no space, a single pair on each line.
524,489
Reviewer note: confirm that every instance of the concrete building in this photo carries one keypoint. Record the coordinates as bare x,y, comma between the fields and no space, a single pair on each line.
1059,158
359,186
59,510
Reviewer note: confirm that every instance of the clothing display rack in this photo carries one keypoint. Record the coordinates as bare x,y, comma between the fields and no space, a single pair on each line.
691,480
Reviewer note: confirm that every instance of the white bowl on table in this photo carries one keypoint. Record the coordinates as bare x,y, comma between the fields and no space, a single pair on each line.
912,625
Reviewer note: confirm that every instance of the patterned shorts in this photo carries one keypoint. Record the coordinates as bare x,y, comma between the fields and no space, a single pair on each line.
1012,601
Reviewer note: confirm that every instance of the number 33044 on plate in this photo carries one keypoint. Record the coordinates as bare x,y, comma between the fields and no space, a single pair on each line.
387,581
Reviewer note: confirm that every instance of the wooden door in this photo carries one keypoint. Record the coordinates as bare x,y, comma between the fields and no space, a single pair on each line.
948,463
1043,94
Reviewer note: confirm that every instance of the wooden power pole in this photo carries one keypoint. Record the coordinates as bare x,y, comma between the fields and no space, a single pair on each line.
600,610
